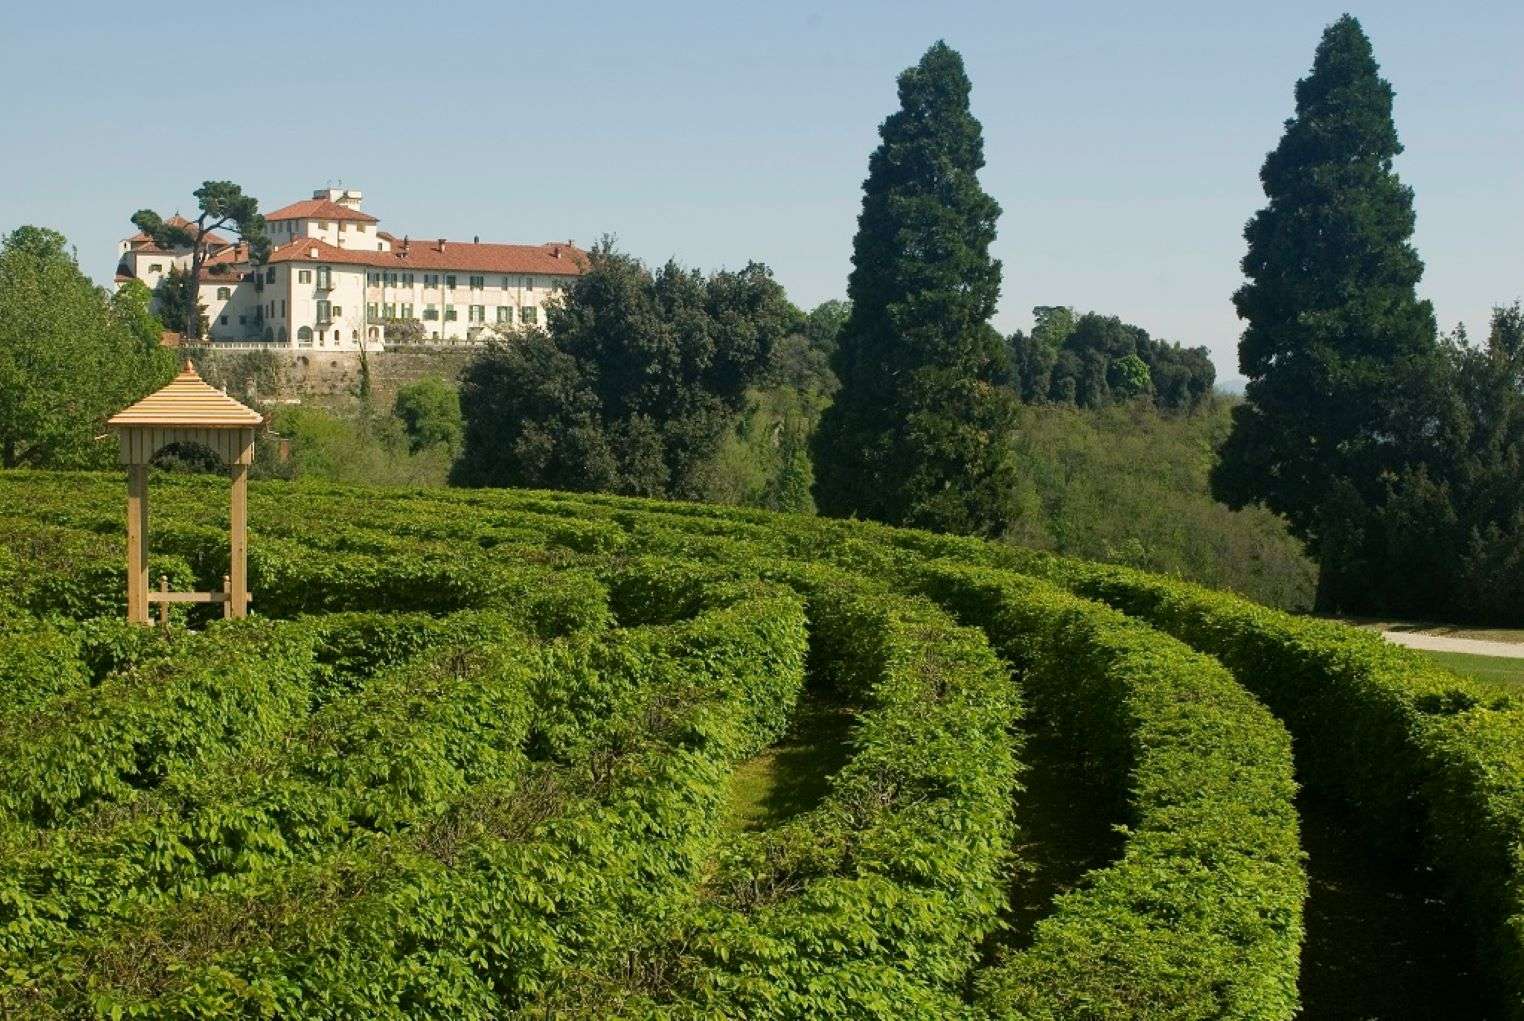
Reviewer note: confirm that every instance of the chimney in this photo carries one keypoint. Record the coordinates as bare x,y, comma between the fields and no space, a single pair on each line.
476,239
405,244
441,244
556,252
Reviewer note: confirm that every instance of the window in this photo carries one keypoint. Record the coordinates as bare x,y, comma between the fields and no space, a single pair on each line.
430,312
304,276
505,313
243,320
478,314
323,313
322,225
449,313
529,283
505,283
450,280
431,280
407,280
370,310
374,279
224,293
304,336
337,312
434,335
222,320
406,312
359,228
528,314
324,278
477,283
389,311
156,267
270,275
391,280
283,308
343,227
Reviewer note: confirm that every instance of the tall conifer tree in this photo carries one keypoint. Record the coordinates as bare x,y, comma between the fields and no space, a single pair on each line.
1334,321
919,431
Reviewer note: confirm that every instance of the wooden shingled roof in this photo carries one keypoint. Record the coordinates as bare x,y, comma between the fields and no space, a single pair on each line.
188,402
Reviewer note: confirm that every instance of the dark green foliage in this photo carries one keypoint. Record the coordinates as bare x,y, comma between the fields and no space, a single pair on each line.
632,387
1096,360
1334,322
223,207
69,356
430,412
1442,538
174,297
918,432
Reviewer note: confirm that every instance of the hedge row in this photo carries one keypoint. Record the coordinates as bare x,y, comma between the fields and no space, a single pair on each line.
1424,757
874,902
1201,917
241,684
399,750
510,893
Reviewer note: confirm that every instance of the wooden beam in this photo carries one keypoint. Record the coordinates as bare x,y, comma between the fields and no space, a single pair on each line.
165,596
137,543
238,541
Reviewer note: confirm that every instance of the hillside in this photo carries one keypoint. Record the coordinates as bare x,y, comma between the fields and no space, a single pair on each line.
511,753
1128,484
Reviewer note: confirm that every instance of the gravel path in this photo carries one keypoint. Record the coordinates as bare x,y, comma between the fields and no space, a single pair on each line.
1444,643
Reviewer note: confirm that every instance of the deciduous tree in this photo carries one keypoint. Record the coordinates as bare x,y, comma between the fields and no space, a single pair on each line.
69,356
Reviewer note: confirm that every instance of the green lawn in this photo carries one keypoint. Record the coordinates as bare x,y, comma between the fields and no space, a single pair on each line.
1497,669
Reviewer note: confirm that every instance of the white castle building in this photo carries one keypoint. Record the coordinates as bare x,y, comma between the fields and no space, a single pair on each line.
333,280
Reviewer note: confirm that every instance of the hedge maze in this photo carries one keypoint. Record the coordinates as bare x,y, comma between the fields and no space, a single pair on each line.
474,753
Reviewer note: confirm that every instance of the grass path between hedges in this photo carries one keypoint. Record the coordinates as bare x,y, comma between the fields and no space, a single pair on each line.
793,775
1381,943
1067,828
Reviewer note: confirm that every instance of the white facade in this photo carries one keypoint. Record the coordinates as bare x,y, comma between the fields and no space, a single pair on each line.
334,281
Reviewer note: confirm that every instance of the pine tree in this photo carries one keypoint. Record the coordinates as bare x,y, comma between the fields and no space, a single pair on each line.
1334,321
919,432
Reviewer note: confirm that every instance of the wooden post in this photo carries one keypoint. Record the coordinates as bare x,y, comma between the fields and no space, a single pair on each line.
227,603
164,604
238,550
137,543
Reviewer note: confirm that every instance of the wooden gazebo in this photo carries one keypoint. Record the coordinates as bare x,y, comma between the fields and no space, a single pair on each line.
188,410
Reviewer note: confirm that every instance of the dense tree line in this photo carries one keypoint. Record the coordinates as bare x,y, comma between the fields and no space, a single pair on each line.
632,386
1093,360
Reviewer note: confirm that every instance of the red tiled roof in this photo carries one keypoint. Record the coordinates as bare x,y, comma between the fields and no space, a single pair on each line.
302,249
553,258
319,209
550,259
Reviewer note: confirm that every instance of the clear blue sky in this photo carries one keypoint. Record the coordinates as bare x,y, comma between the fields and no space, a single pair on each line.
1123,140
